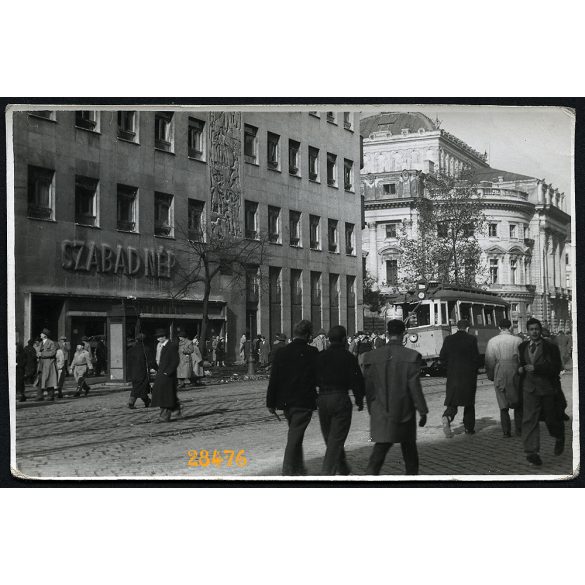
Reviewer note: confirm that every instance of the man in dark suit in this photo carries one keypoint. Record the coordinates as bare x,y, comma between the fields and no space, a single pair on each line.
292,388
164,390
337,373
540,367
460,356
394,394
140,360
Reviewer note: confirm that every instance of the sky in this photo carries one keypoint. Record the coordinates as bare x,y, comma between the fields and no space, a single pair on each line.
531,140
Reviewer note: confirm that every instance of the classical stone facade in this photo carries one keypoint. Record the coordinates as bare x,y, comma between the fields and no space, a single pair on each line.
525,245
103,200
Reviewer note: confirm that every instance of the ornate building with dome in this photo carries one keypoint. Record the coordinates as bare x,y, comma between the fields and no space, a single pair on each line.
526,243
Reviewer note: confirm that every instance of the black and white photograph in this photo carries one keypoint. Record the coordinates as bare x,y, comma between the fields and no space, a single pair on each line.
330,292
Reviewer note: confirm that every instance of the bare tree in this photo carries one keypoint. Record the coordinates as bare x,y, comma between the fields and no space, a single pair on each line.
206,253
444,246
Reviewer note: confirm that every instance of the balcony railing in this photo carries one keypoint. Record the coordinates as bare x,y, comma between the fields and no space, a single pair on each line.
162,230
251,234
502,193
294,241
331,182
313,176
293,170
273,238
85,219
272,164
126,134
126,225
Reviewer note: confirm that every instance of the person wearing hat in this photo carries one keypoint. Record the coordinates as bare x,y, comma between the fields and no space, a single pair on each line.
81,365
47,368
164,390
140,362
185,370
279,342
460,356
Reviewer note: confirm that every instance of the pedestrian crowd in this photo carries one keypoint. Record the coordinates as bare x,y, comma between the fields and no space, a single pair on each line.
318,373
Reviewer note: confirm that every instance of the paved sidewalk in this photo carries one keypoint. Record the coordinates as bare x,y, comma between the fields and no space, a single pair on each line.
98,436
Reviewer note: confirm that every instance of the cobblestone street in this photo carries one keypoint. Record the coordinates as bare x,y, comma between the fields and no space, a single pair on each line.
98,436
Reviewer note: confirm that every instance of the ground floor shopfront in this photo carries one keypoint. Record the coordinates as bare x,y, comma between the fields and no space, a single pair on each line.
114,320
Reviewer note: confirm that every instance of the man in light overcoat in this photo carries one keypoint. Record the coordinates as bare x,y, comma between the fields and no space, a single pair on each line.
394,394
47,368
501,363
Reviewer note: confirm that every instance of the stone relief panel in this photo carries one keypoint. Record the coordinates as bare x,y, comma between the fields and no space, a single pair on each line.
225,131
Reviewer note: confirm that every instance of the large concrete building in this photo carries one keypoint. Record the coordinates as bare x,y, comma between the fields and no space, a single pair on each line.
103,201
525,247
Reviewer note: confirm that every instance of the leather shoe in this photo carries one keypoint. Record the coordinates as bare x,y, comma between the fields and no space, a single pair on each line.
469,432
559,446
534,458
447,427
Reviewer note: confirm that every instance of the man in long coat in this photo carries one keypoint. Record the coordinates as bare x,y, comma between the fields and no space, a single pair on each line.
540,367
185,370
164,390
460,356
563,342
140,362
501,363
293,388
394,394
46,352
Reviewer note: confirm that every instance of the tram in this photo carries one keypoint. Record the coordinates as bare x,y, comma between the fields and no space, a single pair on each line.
432,314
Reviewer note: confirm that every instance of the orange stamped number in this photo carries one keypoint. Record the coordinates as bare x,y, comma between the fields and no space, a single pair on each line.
227,457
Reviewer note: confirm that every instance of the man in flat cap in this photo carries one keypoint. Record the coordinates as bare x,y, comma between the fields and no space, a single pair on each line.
47,368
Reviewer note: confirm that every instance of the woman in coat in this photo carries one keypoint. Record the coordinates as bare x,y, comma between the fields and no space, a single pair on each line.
185,369
81,364
47,351
220,351
264,351
197,360
30,362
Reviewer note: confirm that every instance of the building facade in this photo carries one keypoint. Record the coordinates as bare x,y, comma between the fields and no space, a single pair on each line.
526,245
105,200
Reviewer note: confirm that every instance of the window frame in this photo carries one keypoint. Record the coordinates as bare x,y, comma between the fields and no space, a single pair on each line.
331,166
196,126
127,192
166,144
274,237
169,225
333,228
251,211
88,124
350,250
295,234
196,234
315,169
34,173
315,222
251,131
348,175
495,226
273,139
394,225
91,187
128,135
294,146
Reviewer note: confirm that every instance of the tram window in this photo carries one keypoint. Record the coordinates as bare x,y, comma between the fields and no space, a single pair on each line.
478,314
489,315
465,310
500,314
444,319
452,307
421,317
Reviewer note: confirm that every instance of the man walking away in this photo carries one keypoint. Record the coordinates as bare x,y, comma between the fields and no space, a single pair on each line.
292,388
540,367
460,356
394,394
164,390
501,363
140,362
337,373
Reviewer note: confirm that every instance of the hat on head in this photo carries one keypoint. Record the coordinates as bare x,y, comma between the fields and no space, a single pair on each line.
280,337
63,338
161,332
321,332
84,338
46,332
181,332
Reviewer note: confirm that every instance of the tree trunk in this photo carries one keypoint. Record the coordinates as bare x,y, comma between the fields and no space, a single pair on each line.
455,266
205,314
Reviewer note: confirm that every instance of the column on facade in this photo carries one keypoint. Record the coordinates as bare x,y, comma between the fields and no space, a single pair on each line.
372,261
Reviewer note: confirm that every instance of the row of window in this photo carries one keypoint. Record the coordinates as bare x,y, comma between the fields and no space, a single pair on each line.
516,231
164,139
41,205
275,231
274,158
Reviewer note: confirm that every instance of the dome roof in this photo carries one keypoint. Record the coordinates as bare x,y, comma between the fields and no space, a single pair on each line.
395,122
